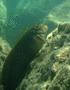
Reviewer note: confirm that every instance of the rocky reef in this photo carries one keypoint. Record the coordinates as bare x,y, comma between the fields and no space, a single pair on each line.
3,17
3,13
60,13
4,51
51,69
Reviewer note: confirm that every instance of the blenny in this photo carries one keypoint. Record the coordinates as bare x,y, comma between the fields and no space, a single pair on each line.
22,54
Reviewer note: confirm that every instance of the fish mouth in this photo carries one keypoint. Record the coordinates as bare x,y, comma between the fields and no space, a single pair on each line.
41,32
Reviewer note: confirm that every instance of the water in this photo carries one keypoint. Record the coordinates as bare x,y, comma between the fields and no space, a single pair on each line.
16,17
18,14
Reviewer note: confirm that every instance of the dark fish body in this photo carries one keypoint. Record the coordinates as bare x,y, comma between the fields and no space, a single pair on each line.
22,54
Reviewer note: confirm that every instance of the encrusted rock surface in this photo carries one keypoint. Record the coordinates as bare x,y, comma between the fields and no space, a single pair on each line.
51,69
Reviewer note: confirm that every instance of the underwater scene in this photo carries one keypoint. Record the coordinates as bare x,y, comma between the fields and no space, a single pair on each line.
34,44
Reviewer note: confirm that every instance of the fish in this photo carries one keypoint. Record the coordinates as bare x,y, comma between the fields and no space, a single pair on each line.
17,62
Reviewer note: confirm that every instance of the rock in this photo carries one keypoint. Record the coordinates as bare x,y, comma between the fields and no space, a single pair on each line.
62,79
4,51
60,14
51,69
63,54
3,13
3,17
